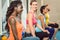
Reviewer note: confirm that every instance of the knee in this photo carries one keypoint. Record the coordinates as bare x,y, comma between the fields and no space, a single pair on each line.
52,29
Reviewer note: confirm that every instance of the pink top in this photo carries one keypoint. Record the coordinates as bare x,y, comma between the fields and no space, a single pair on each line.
34,21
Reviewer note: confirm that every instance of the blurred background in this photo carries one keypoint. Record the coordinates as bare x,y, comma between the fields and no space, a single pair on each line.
54,13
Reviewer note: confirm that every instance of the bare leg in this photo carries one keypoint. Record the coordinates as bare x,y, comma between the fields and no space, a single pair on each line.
54,36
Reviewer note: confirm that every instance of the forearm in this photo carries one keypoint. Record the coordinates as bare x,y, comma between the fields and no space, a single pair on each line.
32,30
15,33
15,36
40,27
43,26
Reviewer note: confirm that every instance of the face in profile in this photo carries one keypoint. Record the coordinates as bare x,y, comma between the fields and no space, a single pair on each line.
46,10
34,6
19,8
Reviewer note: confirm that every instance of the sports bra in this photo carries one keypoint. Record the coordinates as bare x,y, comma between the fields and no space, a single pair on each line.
34,21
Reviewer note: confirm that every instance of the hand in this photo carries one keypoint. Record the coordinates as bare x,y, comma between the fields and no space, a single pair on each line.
49,27
46,31
34,35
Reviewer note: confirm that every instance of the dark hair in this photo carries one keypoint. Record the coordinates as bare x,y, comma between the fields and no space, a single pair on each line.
42,8
32,1
10,11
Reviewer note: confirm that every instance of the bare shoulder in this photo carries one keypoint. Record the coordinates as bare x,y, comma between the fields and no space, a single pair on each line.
12,20
40,17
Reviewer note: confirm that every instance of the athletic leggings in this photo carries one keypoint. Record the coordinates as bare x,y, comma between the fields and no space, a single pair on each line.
51,30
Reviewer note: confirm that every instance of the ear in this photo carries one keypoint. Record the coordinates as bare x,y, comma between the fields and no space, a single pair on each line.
15,8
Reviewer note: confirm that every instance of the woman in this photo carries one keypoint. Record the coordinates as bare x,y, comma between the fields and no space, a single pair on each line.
51,24
14,24
31,20
42,21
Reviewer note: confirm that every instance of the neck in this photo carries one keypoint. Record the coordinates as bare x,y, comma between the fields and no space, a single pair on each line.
14,14
43,13
19,15
33,11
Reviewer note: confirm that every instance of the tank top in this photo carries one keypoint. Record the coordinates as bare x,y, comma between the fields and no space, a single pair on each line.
19,30
47,18
39,22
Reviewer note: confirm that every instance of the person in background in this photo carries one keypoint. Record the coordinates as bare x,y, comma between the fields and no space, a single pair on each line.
42,21
14,23
31,21
51,24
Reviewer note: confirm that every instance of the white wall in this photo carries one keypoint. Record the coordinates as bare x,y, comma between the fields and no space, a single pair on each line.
0,17
55,10
4,9
24,13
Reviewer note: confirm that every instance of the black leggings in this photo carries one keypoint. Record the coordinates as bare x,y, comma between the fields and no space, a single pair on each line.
27,34
54,25
41,35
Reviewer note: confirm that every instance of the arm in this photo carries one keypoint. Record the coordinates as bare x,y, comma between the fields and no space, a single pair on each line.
30,24
12,22
41,18
42,28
